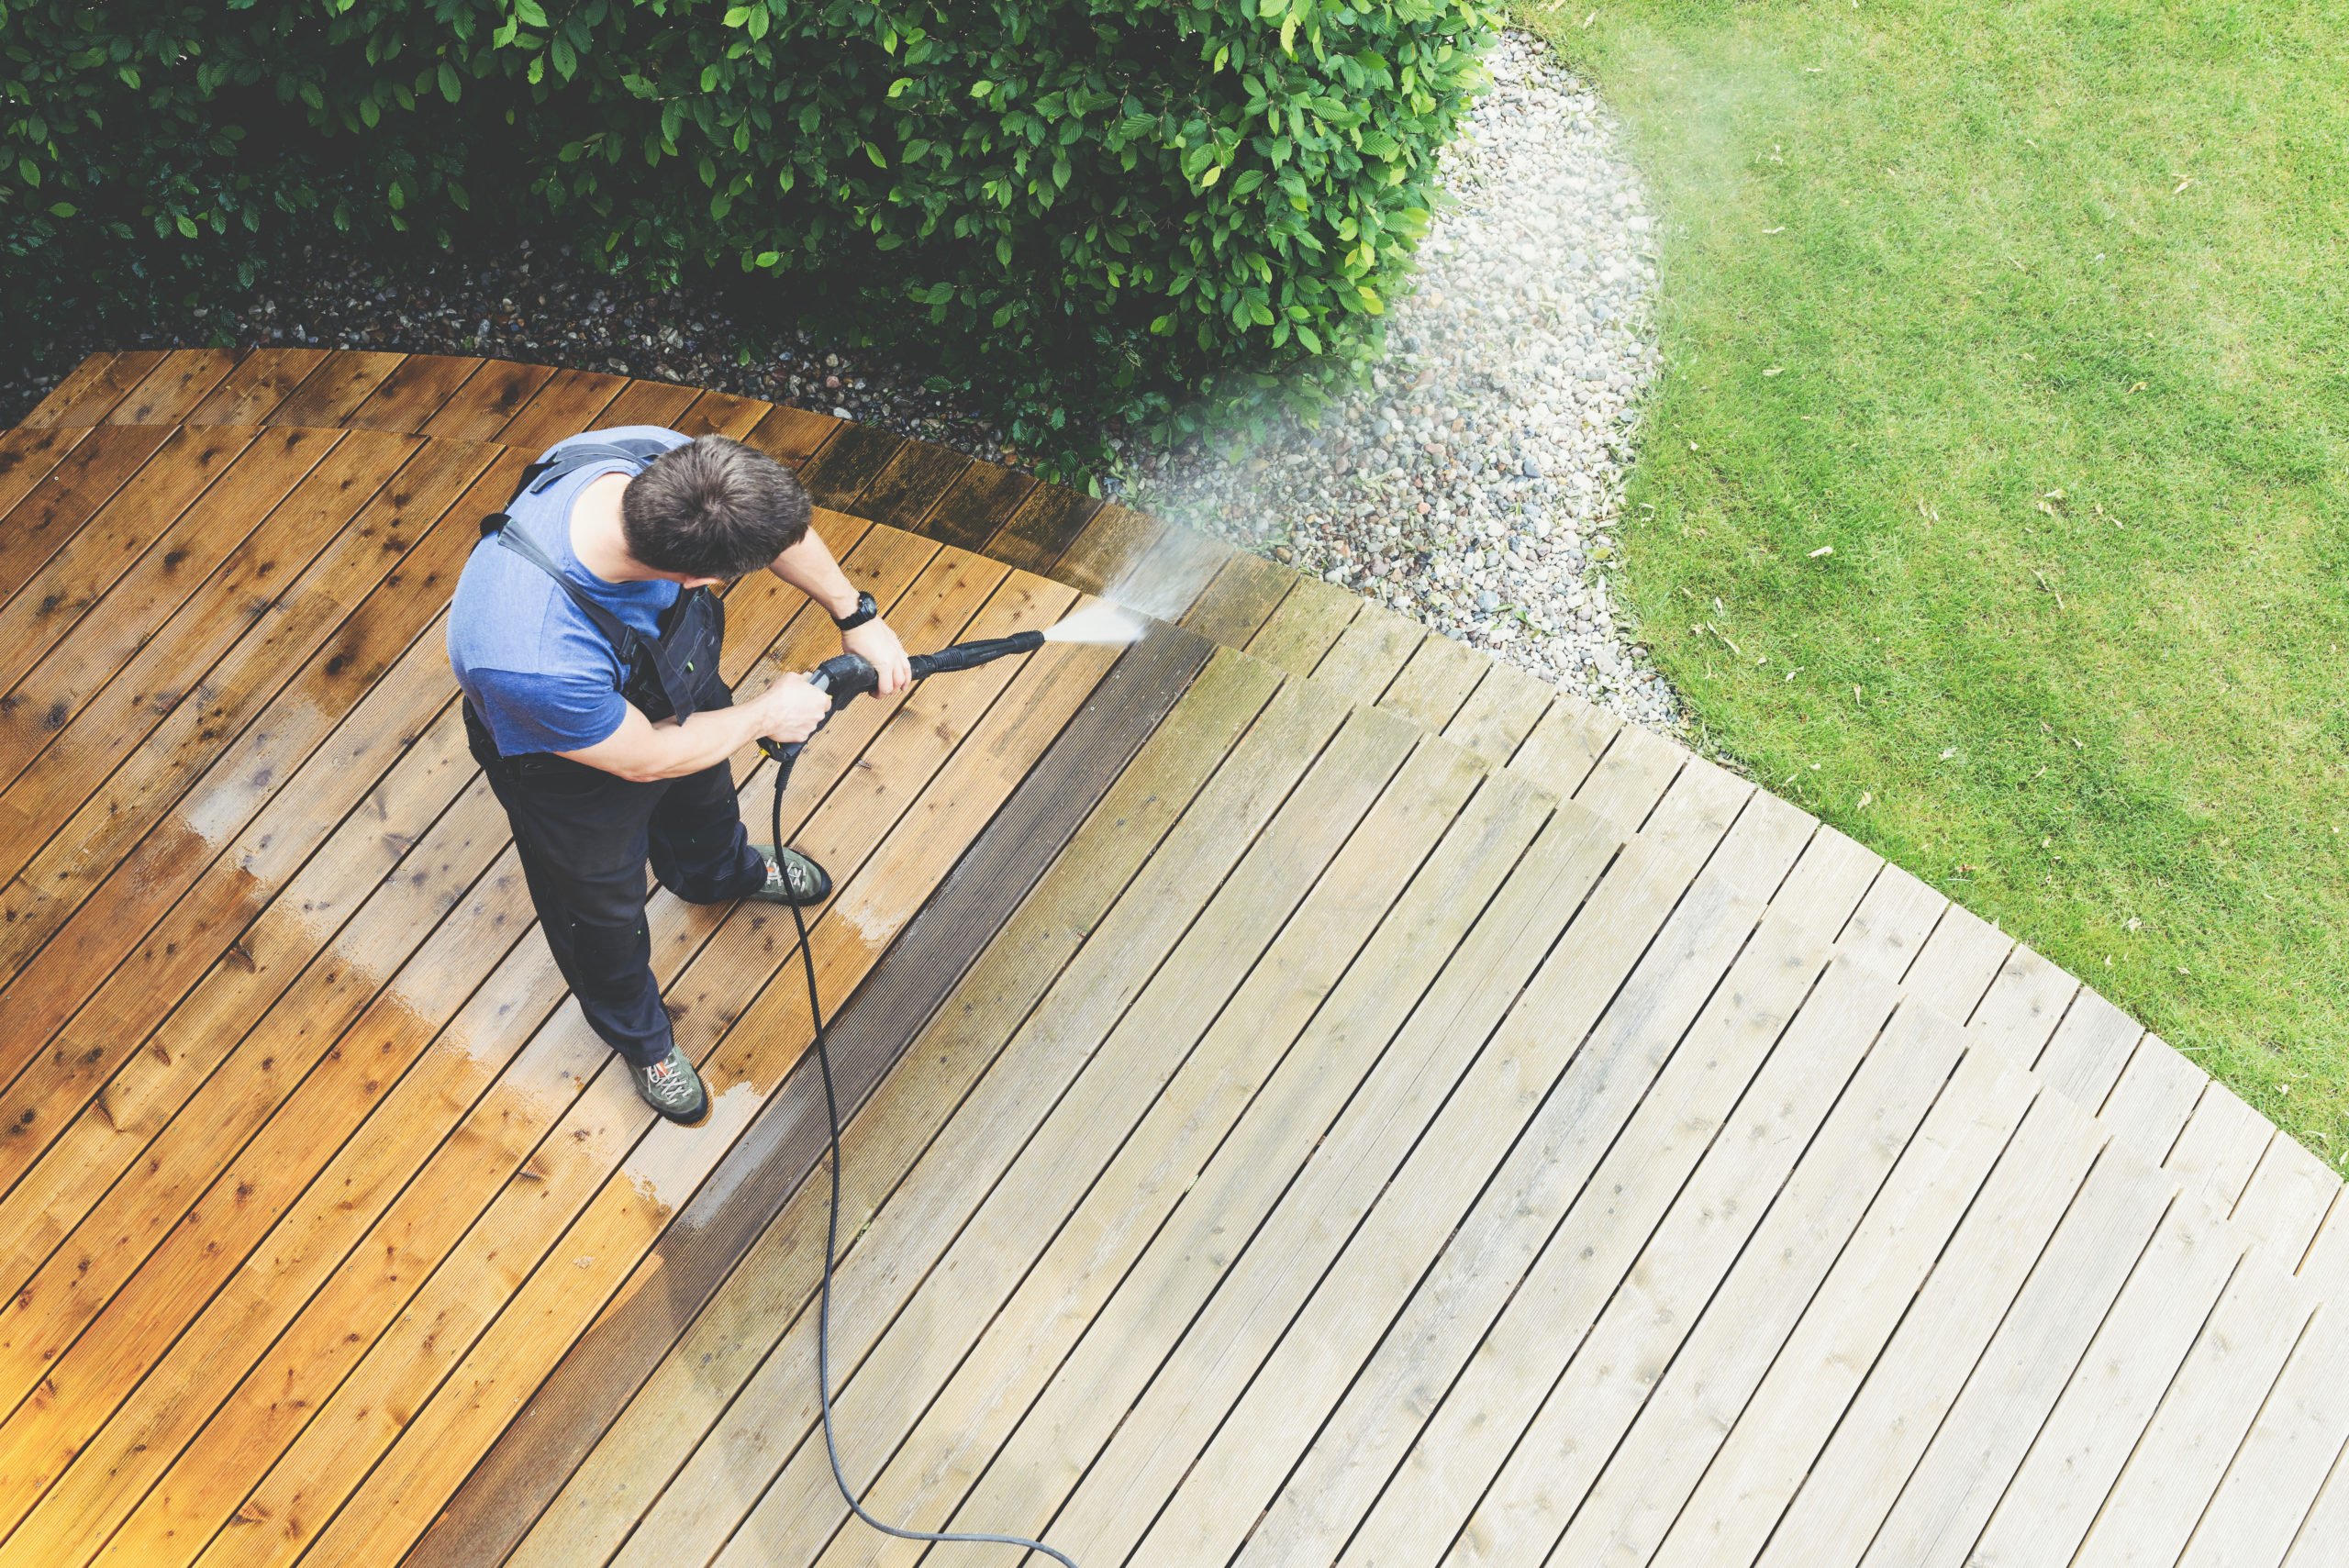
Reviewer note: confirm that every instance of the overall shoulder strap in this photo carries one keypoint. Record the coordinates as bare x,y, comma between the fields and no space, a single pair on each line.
617,632
569,458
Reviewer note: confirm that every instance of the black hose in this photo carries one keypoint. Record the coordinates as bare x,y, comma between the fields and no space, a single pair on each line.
833,1232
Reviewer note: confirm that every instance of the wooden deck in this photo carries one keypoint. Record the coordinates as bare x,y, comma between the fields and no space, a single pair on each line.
1321,1097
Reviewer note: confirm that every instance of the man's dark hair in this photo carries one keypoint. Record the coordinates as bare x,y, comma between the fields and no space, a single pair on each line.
713,507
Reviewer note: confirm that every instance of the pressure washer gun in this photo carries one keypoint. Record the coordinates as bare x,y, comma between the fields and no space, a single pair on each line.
847,677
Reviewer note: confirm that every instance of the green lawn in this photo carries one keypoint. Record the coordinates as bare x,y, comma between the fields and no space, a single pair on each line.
2037,316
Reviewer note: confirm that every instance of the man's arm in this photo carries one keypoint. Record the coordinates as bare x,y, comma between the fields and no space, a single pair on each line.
809,566
641,751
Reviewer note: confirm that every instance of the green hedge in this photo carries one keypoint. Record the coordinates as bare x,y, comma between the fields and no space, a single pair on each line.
1083,209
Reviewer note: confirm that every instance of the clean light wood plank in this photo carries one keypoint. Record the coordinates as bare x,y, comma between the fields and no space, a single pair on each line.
1300,629
1914,1093
2221,1147
1239,599
1495,719
2154,1099
2054,1494
173,388
1090,1251
1271,838
1468,1212
1370,652
262,379
1377,1023
1167,579
1503,1460
2034,1351
1780,1427
2295,1444
562,1422
344,380
2288,1198
2086,1055
602,1501
1563,748
92,388
1432,686
1829,882
2184,1453
1638,768
2026,1002
1958,963
486,401
1893,923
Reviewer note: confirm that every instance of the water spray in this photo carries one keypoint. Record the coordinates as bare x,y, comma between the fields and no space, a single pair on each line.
845,679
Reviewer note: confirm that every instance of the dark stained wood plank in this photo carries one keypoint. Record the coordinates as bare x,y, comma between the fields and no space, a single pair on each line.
648,403
29,454
792,435
262,380
603,1371
901,493
855,456
413,393
977,504
488,401
569,402
1235,606
1043,529
173,388
95,386
722,414
1112,544
329,395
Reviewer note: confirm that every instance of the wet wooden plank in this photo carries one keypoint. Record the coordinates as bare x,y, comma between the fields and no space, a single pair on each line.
856,456
407,398
1112,545
344,380
648,403
173,388
55,507
1046,524
913,481
91,388
30,455
251,393
982,497
719,413
487,401
792,435
569,402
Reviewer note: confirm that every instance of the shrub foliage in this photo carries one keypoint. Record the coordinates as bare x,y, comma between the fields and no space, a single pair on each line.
1086,207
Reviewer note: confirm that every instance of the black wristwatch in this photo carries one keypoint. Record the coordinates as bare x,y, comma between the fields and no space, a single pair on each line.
865,610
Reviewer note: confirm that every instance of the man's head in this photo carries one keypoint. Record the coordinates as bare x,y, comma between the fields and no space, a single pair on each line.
712,509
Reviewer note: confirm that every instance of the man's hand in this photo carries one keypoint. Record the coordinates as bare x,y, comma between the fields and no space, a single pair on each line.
790,709
878,646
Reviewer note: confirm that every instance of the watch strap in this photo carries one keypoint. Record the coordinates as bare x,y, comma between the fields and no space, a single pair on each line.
866,609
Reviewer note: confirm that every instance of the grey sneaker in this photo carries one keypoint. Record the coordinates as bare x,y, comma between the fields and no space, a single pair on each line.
792,878
672,1086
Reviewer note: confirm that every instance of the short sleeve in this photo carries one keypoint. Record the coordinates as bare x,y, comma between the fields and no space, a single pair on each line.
539,710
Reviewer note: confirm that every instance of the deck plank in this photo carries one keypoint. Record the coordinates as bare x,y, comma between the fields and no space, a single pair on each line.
1301,628
2025,1003
1235,604
49,514
417,389
647,402
173,388
1166,580
29,454
1435,1260
1266,842
601,1503
92,389
565,1418
1370,652
854,459
984,496
1079,1259
567,403
487,401
1503,710
1431,689
251,393
913,481
344,381
1046,524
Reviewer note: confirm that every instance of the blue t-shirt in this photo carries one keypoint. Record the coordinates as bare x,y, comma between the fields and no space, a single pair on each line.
540,674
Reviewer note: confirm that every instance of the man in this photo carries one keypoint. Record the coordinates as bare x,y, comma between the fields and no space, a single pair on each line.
584,633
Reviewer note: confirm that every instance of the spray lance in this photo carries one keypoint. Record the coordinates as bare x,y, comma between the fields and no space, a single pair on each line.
845,678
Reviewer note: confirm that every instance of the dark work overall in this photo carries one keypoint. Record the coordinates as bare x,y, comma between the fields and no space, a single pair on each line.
584,835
